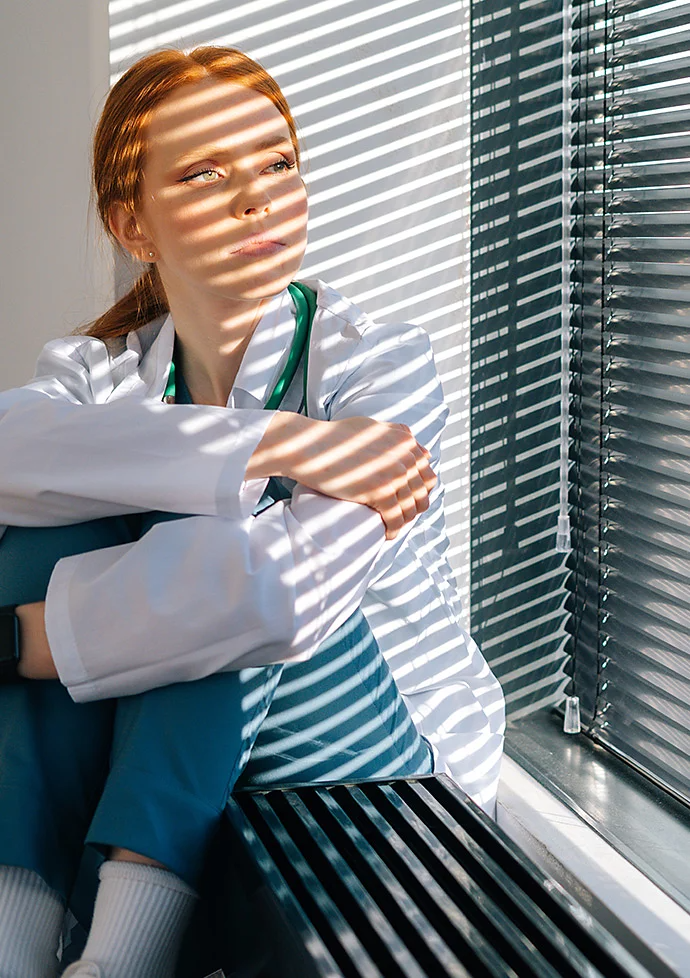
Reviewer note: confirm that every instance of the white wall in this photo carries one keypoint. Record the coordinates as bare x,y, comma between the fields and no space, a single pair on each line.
53,77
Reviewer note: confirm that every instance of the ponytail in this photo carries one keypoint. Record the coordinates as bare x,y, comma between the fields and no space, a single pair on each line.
145,301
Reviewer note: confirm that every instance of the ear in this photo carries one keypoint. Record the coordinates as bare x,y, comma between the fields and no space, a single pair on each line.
125,227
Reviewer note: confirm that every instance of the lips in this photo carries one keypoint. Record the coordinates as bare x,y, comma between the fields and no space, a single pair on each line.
257,244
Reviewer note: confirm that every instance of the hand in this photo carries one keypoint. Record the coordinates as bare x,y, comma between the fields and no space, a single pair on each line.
35,659
371,462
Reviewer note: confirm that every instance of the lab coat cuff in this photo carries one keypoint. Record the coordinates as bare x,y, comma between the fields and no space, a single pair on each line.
237,498
250,495
61,638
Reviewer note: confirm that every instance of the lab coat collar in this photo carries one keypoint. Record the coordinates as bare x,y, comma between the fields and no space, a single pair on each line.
151,349
141,366
261,365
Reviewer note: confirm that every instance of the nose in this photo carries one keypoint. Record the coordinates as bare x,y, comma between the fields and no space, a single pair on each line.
251,202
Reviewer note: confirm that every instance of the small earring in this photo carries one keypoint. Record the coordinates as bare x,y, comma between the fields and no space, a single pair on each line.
151,254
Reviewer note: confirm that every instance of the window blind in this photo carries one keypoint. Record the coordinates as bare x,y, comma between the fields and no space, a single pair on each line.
517,573
629,576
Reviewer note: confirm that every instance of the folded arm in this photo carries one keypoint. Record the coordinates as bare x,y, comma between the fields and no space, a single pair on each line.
200,595
64,458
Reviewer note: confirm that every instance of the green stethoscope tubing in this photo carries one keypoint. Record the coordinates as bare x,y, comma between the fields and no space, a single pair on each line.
305,307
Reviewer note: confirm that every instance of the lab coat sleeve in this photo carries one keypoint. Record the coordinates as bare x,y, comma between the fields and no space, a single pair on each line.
64,458
200,595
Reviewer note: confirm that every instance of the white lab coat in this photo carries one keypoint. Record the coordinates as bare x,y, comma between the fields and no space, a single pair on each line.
90,437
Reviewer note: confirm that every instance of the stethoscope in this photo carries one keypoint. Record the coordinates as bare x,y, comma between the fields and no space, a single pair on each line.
305,307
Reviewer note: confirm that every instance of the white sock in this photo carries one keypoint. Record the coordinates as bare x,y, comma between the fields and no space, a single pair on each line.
139,919
31,916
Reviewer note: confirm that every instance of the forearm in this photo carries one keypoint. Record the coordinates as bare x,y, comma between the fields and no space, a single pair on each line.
64,463
286,438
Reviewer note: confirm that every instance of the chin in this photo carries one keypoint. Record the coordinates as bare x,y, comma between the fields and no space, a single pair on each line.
259,286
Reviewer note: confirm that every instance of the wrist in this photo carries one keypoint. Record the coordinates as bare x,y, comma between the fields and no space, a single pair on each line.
280,448
35,660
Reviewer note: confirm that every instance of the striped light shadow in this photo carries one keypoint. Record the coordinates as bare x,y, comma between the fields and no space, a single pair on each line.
382,149
339,747
305,738
296,699
383,35
429,320
392,217
396,100
391,239
321,673
358,183
147,27
142,22
391,194
421,274
390,53
281,25
346,94
343,757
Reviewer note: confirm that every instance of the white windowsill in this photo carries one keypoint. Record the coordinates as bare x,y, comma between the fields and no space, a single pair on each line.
554,836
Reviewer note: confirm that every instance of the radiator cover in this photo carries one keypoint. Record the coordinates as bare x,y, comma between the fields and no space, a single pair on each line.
396,879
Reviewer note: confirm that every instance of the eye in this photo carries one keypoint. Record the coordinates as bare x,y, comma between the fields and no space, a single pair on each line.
281,166
202,176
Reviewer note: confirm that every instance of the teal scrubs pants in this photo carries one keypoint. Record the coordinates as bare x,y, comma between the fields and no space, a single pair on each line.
152,772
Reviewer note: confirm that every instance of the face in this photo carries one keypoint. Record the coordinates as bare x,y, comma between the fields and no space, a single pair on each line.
222,202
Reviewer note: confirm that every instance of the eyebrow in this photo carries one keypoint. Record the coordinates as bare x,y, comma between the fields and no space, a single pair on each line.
268,143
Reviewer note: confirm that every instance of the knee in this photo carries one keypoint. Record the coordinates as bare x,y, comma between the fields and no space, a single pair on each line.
28,554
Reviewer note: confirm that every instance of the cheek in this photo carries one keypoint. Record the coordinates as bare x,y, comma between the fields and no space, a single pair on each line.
192,223
296,209
185,224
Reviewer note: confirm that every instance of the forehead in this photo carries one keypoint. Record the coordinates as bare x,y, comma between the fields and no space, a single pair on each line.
213,112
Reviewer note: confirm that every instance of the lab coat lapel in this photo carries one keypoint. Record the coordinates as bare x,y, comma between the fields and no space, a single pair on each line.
266,354
145,361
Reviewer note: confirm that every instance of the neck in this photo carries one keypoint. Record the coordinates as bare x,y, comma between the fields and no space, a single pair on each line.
212,343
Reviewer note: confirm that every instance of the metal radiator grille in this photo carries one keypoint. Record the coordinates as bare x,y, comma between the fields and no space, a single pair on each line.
409,878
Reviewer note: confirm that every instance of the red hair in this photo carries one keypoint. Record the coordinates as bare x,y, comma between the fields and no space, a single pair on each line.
119,152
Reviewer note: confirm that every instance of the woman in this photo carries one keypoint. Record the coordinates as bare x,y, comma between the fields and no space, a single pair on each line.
169,634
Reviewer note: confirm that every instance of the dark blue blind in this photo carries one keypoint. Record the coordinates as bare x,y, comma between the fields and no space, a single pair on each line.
517,574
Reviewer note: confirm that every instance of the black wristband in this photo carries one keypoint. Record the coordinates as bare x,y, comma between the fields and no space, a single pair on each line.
9,644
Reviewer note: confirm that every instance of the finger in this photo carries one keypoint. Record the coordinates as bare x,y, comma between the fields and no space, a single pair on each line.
393,517
400,472
408,503
419,491
408,442
421,451
427,474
